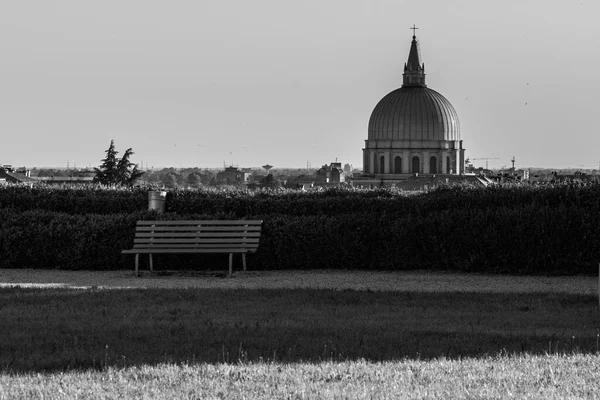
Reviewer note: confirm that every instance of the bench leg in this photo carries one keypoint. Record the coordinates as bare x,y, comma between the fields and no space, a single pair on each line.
244,260
151,263
230,264
137,264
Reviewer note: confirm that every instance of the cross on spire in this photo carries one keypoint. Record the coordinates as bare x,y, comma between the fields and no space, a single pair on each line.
414,28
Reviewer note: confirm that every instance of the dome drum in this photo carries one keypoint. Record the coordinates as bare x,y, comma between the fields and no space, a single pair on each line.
413,161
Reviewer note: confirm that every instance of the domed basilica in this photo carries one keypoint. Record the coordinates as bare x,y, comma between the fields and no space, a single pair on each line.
413,132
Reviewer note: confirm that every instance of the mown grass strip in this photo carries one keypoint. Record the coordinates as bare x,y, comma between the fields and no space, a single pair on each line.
60,329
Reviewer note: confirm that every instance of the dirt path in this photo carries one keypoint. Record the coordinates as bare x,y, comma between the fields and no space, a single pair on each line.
331,279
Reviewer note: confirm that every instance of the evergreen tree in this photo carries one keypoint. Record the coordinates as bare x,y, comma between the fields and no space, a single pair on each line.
117,171
127,172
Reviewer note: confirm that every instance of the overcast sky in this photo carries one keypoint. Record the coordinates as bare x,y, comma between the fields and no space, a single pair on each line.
286,82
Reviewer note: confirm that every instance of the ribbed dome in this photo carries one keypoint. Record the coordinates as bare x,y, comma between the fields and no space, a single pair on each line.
414,113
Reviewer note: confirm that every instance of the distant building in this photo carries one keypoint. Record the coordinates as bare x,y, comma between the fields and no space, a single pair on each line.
578,176
414,133
301,182
65,179
23,171
8,176
57,177
232,176
332,173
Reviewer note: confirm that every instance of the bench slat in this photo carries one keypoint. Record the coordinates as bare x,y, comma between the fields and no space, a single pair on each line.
202,222
197,234
192,241
185,251
195,246
198,229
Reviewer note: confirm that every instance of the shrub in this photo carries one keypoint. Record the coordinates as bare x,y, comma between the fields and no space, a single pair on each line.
74,199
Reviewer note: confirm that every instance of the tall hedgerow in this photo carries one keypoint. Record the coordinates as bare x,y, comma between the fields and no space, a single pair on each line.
511,229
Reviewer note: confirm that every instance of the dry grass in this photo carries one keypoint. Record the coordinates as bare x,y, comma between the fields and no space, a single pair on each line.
501,377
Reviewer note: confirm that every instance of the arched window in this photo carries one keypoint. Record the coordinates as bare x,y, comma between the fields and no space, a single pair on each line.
416,165
433,165
448,167
397,165
381,164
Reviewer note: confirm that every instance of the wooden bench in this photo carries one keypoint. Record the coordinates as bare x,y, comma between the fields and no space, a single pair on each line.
222,236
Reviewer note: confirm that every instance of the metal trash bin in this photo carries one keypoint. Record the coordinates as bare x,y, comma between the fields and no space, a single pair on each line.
157,200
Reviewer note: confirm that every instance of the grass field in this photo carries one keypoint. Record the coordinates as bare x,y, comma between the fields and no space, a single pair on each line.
299,343
520,377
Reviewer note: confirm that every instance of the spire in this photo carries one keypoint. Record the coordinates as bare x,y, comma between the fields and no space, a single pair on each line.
414,70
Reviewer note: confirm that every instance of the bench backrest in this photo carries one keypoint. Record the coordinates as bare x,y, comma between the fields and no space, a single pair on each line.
201,234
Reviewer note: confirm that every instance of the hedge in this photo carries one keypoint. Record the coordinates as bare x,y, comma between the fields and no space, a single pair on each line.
96,199
531,238
74,199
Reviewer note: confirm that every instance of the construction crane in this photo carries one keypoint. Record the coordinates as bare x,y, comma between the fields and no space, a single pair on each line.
486,160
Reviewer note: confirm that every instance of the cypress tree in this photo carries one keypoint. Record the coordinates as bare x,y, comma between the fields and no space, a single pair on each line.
117,171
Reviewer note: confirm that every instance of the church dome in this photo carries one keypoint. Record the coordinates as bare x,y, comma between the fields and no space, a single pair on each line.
413,130
414,112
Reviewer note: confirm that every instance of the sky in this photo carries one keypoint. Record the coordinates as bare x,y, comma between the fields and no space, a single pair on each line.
203,83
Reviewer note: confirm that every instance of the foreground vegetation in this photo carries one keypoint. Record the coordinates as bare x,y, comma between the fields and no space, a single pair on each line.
47,330
549,229
526,376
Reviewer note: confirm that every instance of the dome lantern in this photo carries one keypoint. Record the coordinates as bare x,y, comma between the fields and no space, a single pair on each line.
414,70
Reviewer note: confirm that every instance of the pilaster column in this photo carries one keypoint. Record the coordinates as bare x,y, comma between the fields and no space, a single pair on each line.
445,166
425,162
387,169
405,161
457,168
